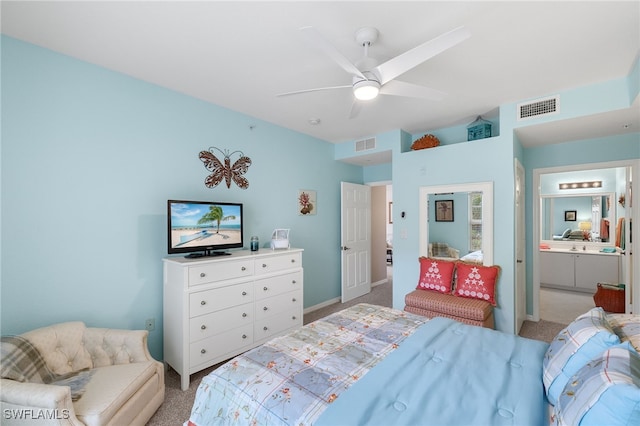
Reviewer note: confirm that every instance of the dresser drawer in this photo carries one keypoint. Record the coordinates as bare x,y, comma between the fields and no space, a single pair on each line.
281,262
276,324
277,304
205,302
219,271
268,287
220,321
220,344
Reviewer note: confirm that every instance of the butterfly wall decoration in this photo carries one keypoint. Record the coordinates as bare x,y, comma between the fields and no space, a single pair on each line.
220,170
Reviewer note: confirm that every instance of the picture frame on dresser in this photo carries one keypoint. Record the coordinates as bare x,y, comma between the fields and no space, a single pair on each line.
570,215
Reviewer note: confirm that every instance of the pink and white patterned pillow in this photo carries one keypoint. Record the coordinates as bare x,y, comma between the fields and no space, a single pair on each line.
477,281
435,274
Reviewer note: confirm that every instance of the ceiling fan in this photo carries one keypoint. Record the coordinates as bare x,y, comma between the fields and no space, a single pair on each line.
370,78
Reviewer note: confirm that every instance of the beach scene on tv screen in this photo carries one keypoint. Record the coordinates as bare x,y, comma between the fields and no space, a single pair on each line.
195,225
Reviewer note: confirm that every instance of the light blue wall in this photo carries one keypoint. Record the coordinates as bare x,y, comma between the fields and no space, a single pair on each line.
486,160
89,159
377,173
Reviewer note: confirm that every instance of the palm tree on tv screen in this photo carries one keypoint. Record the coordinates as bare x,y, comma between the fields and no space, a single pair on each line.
215,214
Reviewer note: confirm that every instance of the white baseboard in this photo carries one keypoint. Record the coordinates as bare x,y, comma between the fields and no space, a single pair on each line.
321,305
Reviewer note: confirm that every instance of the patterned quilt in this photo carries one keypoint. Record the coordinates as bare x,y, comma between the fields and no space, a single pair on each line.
290,380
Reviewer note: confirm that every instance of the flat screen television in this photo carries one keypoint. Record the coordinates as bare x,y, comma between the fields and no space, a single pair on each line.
203,228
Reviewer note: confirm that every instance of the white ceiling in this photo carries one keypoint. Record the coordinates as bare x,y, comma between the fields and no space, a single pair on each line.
240,55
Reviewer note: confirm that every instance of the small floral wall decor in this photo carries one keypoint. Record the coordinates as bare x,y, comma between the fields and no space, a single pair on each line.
220,170
306,202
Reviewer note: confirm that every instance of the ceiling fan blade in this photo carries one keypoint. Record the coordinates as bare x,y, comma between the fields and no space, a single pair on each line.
317,40
419,54
400,88
297,92
356,107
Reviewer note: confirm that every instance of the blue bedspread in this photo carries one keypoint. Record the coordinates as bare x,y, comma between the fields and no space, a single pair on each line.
449,373
379,366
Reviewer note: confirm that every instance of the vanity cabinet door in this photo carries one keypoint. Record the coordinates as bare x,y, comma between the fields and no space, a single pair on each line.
593,269
556,269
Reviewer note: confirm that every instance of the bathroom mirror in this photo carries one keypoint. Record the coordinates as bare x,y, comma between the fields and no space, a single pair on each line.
457,230
580,217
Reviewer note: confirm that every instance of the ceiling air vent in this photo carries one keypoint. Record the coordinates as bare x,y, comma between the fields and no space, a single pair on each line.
539,108
365,144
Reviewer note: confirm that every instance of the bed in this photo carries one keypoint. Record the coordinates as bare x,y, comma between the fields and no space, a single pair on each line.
473,257
375,365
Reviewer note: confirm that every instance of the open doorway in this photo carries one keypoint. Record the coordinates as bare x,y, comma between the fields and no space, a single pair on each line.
575,237
381,233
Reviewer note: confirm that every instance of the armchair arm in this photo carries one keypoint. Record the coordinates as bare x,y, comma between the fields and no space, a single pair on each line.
112,347
36,402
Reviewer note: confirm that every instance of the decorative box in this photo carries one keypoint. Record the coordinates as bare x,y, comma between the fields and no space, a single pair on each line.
479,129
280,239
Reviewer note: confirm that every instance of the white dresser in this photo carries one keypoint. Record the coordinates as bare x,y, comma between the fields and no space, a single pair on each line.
218,307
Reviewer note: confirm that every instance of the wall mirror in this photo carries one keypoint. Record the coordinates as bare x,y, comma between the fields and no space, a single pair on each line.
597,210
578,217
471,214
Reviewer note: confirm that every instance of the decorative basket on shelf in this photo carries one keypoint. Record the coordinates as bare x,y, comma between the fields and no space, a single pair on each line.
610,297
427,141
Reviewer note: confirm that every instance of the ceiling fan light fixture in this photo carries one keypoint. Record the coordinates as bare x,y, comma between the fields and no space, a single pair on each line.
366,90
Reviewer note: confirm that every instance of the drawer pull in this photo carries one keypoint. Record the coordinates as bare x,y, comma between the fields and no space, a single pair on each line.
243,269
293,300
293,261
203,327
265,328
264,265
244,336
265,288
293,317
244,293
293,281
202,275
203,302
244,315
203,351
265,308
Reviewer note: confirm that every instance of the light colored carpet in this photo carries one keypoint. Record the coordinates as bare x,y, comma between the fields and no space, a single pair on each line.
563,306
177,403
541,330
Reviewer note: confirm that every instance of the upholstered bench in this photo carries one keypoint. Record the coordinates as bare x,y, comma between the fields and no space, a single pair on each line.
435,304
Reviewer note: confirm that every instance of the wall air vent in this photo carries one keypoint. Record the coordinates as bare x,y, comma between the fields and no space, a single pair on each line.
365,144
538,108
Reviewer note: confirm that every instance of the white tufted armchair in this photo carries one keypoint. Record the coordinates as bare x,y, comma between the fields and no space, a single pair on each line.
126,385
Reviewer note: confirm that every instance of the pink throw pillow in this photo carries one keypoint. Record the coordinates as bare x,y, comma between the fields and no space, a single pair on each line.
477,281
435,274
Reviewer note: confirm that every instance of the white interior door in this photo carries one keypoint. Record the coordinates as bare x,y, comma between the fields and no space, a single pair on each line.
355,241
521,281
